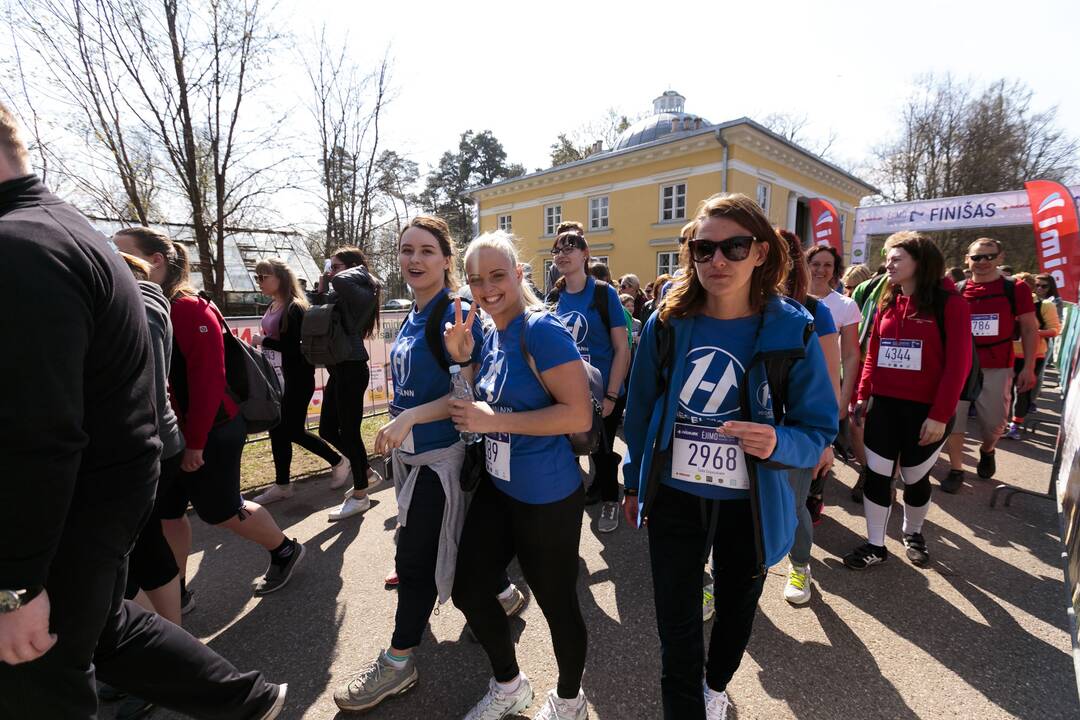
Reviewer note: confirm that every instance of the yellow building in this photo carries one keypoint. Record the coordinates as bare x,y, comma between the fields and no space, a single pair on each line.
634,198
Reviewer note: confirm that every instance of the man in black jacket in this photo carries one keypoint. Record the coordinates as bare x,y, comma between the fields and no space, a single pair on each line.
79,459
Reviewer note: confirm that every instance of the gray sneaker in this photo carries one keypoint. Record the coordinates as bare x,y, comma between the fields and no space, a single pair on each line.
376,682
277,576
496,704
513,603
609,517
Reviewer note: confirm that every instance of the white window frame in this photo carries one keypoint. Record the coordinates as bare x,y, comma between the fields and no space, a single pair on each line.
764,195
600,259
552,219
505,223
673,262
598,212
677,212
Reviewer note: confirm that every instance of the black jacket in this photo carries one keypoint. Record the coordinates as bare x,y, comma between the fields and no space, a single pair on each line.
299,373
356,294
78,430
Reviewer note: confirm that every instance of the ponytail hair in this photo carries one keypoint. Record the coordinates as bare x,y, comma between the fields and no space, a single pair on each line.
177,282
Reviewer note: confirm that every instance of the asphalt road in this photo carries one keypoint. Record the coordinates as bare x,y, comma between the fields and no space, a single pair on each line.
980,633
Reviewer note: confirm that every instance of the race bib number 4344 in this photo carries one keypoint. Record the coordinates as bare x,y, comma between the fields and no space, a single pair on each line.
707,456
900,354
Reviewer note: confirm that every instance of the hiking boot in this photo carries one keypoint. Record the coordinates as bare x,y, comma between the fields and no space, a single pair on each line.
513,601
277,575
797,590
953,482
987,465
378,681
274,493
717,704
708,603
352,505
557,708
497,704
133,708
816,506
865,556
609,517
279,703
1013,433
340,473
857,491
916,549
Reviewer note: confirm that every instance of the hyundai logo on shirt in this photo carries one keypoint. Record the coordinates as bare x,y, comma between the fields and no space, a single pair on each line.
490,384
712,382
400,358
577,324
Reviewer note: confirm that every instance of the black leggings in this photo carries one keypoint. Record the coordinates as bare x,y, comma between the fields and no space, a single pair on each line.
343,413
293,429
152,564
545,539
606,459
1022,400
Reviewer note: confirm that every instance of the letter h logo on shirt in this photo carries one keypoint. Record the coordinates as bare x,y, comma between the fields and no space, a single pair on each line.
713,375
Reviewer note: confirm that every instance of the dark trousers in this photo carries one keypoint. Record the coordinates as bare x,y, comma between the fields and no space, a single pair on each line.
1022,400
677,533
545,539
152,564
417,553
343,413
293,429
606,459
136,651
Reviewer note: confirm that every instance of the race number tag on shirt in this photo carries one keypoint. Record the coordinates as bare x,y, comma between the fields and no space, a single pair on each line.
497,455
705,455
984,325
900,354
407,444
274,358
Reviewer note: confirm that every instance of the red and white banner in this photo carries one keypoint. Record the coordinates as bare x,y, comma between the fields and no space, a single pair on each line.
1057,234
825,224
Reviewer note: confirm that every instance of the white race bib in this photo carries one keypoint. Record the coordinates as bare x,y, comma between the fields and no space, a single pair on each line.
274,358
984,325
407,444
900,354
497,455
707,456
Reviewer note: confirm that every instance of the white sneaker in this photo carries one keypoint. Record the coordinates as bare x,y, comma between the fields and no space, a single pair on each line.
352,506
797,590
717,704
497,704
340,473
557,708
374,480
514,601
274,493
708,603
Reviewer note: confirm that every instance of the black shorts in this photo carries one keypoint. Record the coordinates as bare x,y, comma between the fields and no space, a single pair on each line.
214,489
152,563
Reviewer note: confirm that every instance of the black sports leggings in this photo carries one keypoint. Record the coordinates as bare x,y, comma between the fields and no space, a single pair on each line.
293,429
545,539
1022,400
343,414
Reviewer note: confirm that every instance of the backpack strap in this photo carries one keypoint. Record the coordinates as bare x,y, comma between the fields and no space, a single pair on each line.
1010,295
433,331
525,351
1039,314
599,301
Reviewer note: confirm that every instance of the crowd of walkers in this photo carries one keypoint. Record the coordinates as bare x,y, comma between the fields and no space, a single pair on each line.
736,381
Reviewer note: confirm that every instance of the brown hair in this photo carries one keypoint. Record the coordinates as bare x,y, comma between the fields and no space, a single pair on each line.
570,226
838,261
600,271
987,240
353,256
798,279
177,270
439,228
138,267
929,269
687,295
687,231
1049,279
572,232
11,142
288,286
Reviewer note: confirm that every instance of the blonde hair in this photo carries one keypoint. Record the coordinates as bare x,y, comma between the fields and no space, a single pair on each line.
11,142
505,243
289,288
857,274
138,267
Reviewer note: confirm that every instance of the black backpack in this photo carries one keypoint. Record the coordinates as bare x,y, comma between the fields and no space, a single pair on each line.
433,332
323,339
974,382
599,301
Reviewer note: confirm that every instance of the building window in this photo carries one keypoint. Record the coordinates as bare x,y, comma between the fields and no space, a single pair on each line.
673,202
598,213
764,194
599,258
843,227
504,223
667,262
552,218
548,264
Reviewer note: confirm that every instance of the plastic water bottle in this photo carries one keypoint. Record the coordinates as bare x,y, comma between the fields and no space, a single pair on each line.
461,390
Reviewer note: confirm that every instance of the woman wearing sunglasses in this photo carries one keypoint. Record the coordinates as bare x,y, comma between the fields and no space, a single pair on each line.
706,469
592,311
280,342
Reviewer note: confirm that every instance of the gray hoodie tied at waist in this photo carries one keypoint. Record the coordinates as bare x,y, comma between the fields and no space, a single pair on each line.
446,463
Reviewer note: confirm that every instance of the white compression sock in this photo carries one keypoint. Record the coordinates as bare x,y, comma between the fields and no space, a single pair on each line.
511,687
914,516
877,517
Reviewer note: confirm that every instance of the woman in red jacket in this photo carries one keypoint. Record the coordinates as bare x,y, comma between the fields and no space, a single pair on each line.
907,395
213,428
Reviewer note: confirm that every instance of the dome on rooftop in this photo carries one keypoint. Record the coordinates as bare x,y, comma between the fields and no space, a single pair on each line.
669,116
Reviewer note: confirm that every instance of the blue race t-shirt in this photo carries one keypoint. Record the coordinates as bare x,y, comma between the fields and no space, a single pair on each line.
823,320
708,397
593,339
419,379
529,468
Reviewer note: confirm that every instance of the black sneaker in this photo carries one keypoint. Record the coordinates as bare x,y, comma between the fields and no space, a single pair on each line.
953,481
987,465
592,495
134,708
857,491
864,556
107,693
277,576
916,549
187,601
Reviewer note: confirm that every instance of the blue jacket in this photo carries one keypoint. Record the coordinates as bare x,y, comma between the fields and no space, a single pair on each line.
809,424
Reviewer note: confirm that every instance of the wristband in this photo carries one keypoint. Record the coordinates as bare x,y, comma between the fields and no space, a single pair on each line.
630,491
611,397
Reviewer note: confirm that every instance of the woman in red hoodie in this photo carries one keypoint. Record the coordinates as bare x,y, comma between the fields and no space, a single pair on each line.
213,428
914,371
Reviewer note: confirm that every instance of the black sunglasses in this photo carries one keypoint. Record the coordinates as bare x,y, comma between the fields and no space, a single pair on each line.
734,248
1044,286
980,258
259,278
